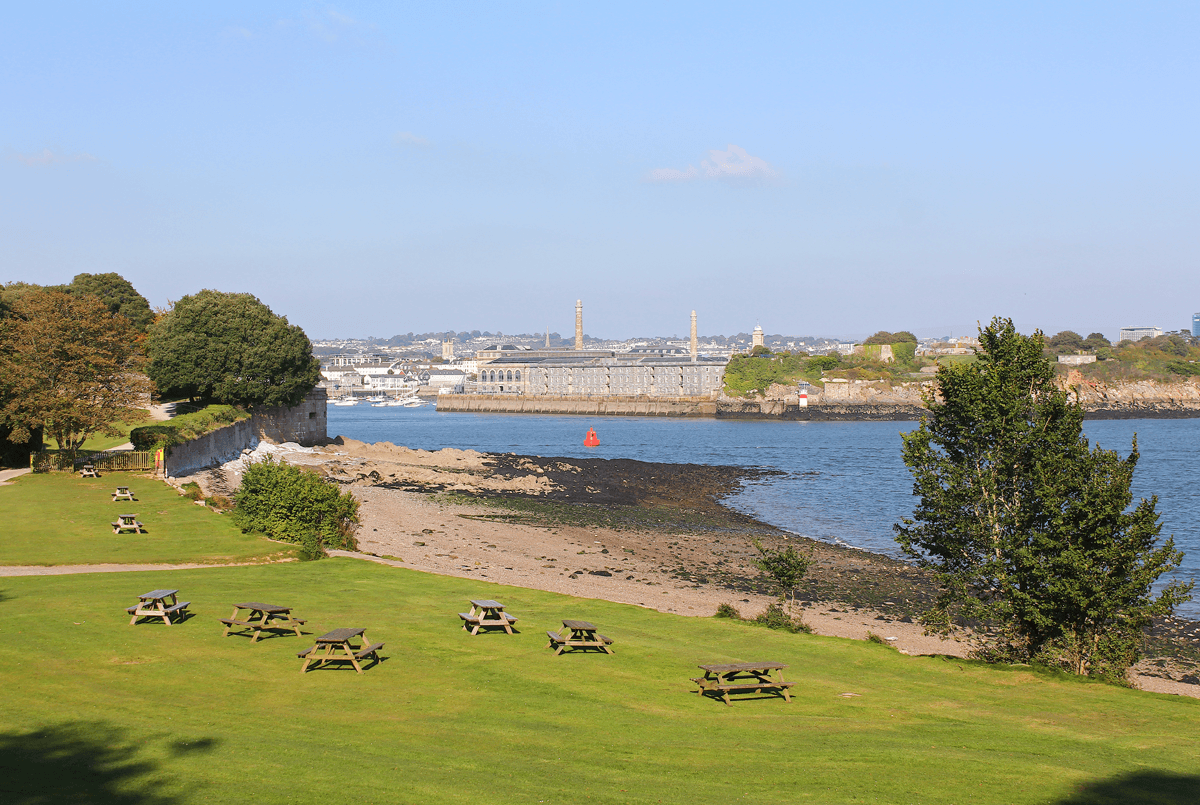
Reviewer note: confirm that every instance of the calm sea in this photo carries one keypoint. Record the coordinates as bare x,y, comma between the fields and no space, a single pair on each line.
843,481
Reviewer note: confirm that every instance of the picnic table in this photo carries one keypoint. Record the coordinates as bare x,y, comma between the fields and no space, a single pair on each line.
122,493
158,604
486,614
127,522
88,471
742,676
339,646
581,635
260,618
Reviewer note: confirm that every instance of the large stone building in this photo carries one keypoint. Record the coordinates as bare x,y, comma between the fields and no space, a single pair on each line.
645,372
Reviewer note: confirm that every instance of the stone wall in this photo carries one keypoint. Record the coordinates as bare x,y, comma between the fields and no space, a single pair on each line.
304,423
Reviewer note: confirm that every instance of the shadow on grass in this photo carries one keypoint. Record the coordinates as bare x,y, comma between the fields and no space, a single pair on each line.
1143,787
83,762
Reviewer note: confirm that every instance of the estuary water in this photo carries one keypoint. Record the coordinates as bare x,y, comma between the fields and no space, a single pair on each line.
842,482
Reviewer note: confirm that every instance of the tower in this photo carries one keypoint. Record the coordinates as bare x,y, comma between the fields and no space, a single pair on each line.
578,324
448,350
756,339
695,353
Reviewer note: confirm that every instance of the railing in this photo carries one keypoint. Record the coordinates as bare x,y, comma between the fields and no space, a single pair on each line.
105,460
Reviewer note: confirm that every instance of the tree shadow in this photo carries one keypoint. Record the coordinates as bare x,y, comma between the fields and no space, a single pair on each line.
84,762
1153,787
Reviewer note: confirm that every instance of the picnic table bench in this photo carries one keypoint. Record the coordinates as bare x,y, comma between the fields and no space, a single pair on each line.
88,471
721,680
583,635
122,493
127,522
261,618
158,604
486,614
339,647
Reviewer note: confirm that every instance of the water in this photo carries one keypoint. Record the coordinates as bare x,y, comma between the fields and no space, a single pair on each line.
843,481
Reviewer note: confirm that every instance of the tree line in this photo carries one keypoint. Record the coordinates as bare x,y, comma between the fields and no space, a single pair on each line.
77,359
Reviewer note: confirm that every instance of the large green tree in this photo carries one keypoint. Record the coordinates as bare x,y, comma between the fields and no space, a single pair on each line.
1024,525
230,348
118,294
67,364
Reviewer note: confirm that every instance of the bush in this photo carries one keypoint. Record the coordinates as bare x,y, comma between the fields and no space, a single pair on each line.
192,491
291,505
775,617
728,611
151,437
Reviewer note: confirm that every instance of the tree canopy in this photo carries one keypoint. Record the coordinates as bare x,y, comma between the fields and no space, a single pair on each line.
69,364
118,294
1023,524
230,348
884,337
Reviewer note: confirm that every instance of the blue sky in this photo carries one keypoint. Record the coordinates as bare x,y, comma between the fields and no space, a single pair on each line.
818,168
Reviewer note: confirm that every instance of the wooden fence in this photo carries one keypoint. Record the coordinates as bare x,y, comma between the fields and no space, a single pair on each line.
105,461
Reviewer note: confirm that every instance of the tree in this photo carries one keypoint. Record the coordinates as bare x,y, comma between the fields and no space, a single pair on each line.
230,348
67,363
1066,341
1095,342
1023,524
785,568
118,294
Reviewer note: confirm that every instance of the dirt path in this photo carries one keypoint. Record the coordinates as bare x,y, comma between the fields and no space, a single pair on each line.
66,570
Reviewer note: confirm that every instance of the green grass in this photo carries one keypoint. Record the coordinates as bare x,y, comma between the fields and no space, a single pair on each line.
95,710
102,442
60,518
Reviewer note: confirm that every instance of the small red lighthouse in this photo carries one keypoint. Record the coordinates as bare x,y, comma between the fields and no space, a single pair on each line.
591,440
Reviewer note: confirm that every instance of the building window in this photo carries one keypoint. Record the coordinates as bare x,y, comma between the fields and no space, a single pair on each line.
510,374
518,374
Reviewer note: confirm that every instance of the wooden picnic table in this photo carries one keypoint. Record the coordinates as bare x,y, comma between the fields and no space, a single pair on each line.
582,635
158,604
721,680
122,493
339,646
485,614
261,618
127,522
88,471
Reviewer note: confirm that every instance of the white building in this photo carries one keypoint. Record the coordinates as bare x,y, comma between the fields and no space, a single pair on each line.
1138,333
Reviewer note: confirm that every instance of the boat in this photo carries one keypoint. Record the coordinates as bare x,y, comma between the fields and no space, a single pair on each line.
412,402
346,401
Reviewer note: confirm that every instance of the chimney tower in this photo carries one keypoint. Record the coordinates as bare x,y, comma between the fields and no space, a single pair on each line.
695,352
578,324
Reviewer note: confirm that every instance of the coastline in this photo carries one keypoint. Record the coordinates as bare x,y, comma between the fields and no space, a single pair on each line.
647,534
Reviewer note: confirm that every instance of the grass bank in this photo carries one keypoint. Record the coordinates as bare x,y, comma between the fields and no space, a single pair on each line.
97,710
62,519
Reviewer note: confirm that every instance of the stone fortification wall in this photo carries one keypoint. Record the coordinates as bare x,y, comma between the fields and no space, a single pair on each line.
304,423
593,406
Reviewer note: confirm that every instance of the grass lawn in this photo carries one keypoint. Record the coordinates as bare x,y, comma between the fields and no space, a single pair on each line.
62,519
99,441
95,710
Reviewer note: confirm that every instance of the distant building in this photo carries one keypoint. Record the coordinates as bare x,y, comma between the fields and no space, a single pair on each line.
756,339
1196,325
1138,333
448,350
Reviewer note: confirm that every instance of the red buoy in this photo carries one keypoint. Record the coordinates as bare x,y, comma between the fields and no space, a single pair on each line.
591,440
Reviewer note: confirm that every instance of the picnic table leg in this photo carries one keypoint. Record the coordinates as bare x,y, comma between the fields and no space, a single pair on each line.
350,653
258,629
232,617
136,615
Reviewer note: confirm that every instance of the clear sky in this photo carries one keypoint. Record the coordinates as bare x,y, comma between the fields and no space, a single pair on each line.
818,168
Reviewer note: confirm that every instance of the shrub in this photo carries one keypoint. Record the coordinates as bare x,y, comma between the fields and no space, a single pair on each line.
151,437
775,617
192,491
874,638
728,611
219,502
292,505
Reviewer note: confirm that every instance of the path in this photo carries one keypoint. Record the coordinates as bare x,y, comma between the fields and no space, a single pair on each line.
6,476
66,570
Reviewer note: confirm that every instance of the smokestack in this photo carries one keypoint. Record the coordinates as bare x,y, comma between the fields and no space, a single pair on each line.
547,338
694,352
578,324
